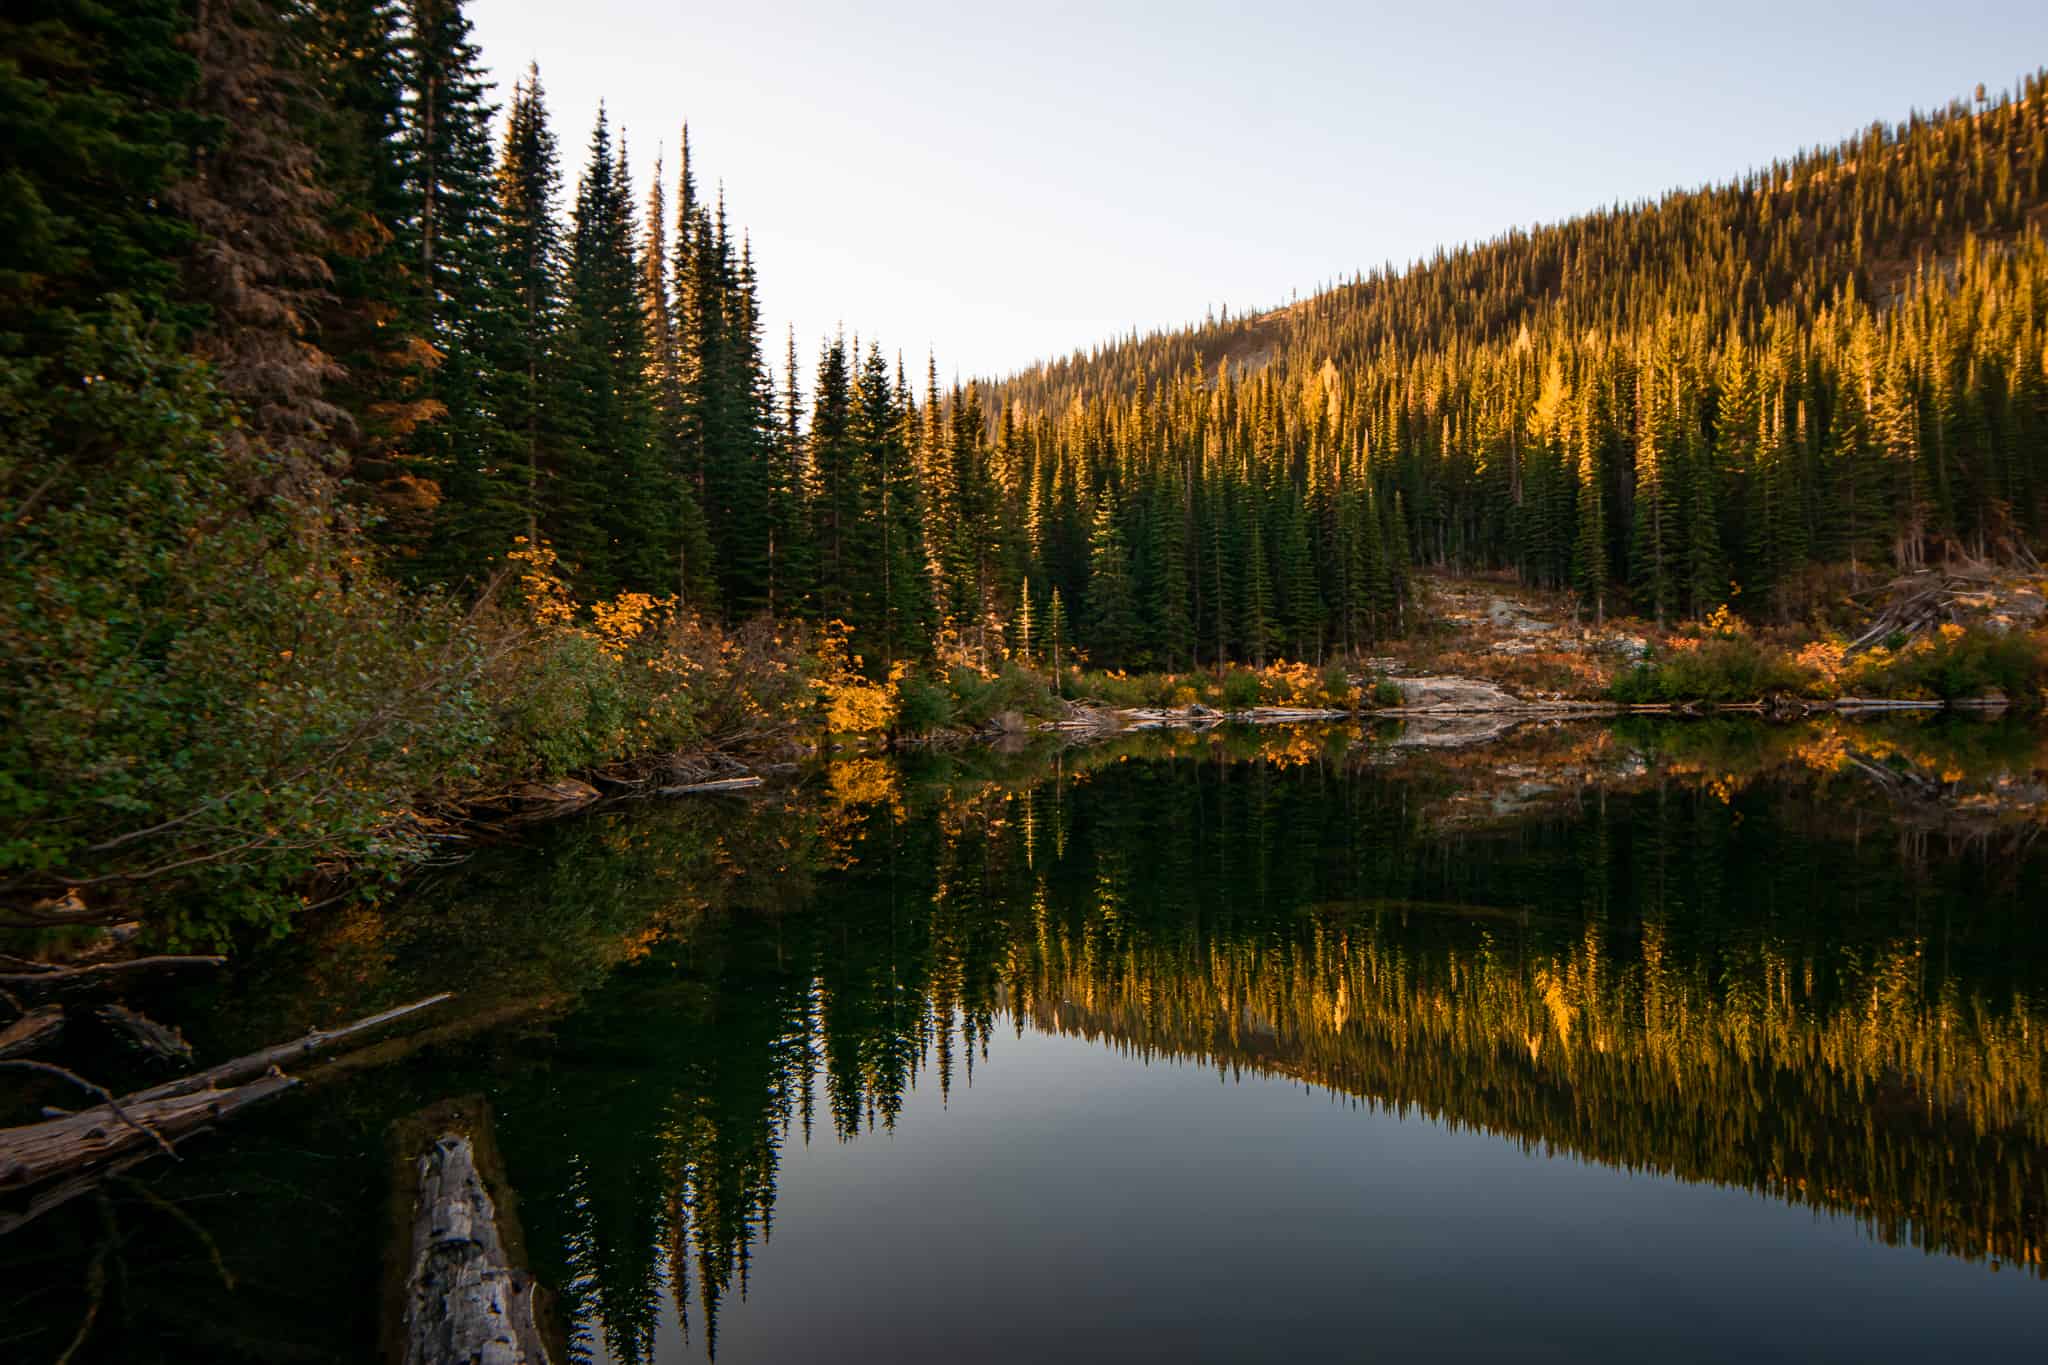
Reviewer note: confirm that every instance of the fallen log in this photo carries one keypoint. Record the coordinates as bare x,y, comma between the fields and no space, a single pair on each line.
723,784
37,1152
36,1029
256,1063
42,1151
146,1035
461,1296
44,977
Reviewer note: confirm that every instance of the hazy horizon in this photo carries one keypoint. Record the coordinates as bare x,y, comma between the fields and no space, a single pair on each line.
1003,193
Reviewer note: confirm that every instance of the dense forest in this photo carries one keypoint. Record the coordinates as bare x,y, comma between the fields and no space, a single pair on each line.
1834,360
350,453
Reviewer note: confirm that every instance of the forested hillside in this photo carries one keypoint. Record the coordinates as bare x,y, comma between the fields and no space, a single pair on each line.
1836,359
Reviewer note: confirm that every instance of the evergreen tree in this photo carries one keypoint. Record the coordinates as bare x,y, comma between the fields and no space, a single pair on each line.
100,127
532,404
612,514
450,488
891,591
837,506
354,57
1589,549
1111,602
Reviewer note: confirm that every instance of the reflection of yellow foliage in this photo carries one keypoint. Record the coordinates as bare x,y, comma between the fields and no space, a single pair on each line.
1296,750
1558,1004
1824,751
864,782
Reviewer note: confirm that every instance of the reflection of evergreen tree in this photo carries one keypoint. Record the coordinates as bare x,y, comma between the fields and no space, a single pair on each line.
1614,979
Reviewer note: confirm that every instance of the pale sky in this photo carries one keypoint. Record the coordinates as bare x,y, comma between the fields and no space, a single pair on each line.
1004,183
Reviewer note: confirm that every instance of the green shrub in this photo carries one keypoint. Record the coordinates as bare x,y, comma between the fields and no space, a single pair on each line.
1726,668
1114,689
1387,692
922,707
1954,664
1336,685
565,709
209,701
978,700
1240,690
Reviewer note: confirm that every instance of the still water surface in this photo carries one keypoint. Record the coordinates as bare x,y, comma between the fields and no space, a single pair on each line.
1695,1042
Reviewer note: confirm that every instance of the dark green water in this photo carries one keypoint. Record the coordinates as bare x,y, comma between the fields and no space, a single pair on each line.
1690,1043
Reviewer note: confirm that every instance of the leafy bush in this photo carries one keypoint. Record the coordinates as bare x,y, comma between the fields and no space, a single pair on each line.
206,703
1240,689
1116,689
214,700
977,700
1719,668
1953,664
1336,683
922,707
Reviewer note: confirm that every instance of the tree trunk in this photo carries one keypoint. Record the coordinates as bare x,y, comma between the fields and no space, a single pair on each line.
463,1300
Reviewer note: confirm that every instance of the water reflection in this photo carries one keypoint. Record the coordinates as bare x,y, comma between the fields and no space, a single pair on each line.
1743,966
1798,961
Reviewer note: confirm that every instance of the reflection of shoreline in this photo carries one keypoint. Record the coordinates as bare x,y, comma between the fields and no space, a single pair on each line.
1956,772
1690,948
1926,1120
1530,937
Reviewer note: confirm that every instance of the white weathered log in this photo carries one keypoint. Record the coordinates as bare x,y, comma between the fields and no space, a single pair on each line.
723,784
464,1304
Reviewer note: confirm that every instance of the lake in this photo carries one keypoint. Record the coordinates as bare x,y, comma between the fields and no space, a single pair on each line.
1680,1040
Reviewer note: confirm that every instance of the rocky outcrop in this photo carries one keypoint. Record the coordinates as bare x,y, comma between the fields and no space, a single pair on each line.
1448,695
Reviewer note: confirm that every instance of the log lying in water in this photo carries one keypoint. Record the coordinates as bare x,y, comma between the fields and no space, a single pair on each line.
34,1030
146,1035
723,784
464,1300
41,977
256,1063
36,1152
42,1151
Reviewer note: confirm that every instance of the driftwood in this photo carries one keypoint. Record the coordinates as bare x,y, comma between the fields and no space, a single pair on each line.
1921,602
43,1151
36,1029
157,1117
462,1298
1898,783
146,1035
43,978
723,784
256,1063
